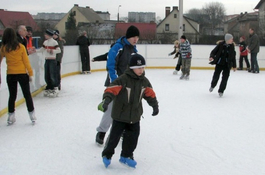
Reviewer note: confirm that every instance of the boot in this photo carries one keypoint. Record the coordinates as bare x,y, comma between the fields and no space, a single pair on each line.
128,161
106,161
100,138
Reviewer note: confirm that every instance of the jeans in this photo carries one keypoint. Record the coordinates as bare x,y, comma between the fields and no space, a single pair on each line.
254,62
50,74
23,80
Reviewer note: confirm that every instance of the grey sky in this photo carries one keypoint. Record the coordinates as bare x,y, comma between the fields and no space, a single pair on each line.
157,6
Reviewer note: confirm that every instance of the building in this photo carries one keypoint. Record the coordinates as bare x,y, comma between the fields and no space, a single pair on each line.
167,29
261,17
142,17
104,15
240,24
15,18
147,31
83,15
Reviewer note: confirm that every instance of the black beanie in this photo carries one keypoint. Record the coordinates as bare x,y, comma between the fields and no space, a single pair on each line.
49,32
132,31
136,61
56,32
183,37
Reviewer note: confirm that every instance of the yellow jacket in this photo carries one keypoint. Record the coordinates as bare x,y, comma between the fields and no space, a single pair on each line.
17,61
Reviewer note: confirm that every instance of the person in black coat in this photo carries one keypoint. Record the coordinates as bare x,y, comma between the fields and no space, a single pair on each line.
83,43
21,35
224,57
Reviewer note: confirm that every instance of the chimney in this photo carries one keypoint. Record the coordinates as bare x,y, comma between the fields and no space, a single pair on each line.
87,7
76,5
167,11
175,8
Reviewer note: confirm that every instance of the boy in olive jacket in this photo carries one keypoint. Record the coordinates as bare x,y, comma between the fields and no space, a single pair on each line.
127,92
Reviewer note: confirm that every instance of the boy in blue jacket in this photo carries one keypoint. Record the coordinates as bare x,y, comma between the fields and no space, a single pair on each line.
127,92
117,63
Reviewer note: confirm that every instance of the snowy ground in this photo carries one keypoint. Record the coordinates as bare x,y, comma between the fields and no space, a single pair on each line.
195,133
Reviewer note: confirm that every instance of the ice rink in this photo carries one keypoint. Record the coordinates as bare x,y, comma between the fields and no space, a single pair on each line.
195,133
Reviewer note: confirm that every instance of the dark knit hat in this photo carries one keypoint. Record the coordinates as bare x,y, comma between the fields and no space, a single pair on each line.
49,32
136,61
29,29
183,37
56,32
132,31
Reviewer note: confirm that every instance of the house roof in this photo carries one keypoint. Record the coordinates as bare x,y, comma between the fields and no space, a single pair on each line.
259,4
184,17
14,19
147,30
90,14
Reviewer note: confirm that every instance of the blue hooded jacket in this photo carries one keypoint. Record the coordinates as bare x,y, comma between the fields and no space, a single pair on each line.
118,47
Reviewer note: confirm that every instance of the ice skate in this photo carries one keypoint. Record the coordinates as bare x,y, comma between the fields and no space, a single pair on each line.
175,72
221,94
100,138
187,77
46,93
54,92
11,118
181,77
211,89
106,161
128,161
32,117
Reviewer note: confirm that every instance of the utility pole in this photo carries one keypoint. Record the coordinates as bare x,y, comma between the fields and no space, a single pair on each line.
180,32
119,13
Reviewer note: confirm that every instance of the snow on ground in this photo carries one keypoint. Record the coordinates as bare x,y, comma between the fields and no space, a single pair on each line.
195,133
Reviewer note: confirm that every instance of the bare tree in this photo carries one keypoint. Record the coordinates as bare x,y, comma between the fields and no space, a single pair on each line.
215,12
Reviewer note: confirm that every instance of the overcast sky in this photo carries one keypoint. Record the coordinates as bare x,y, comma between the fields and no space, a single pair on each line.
112,6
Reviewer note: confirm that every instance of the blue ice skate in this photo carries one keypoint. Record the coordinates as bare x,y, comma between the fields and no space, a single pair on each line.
106,161
128,161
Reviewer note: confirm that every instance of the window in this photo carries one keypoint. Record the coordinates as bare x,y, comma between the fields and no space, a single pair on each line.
175,15
183,27
167,27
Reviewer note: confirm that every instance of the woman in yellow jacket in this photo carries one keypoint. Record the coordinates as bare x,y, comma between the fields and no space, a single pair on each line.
18,71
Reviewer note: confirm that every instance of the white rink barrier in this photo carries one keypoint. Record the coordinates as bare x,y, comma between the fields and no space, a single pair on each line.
156,57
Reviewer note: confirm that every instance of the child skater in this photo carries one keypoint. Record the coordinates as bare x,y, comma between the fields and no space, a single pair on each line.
177,54
126,92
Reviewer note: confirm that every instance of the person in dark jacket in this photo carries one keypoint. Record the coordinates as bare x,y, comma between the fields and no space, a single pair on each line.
177,55
253,49
127,92
243,54
84,43
224,57
59,56
117,63
21,35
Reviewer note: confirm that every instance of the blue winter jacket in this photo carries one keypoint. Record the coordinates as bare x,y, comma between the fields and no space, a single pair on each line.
120,44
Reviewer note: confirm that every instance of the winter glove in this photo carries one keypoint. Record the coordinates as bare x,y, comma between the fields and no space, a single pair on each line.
30,79
103,106
155,110
188,55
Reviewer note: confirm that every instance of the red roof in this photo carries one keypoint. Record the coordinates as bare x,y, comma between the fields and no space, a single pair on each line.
14,19
147,30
